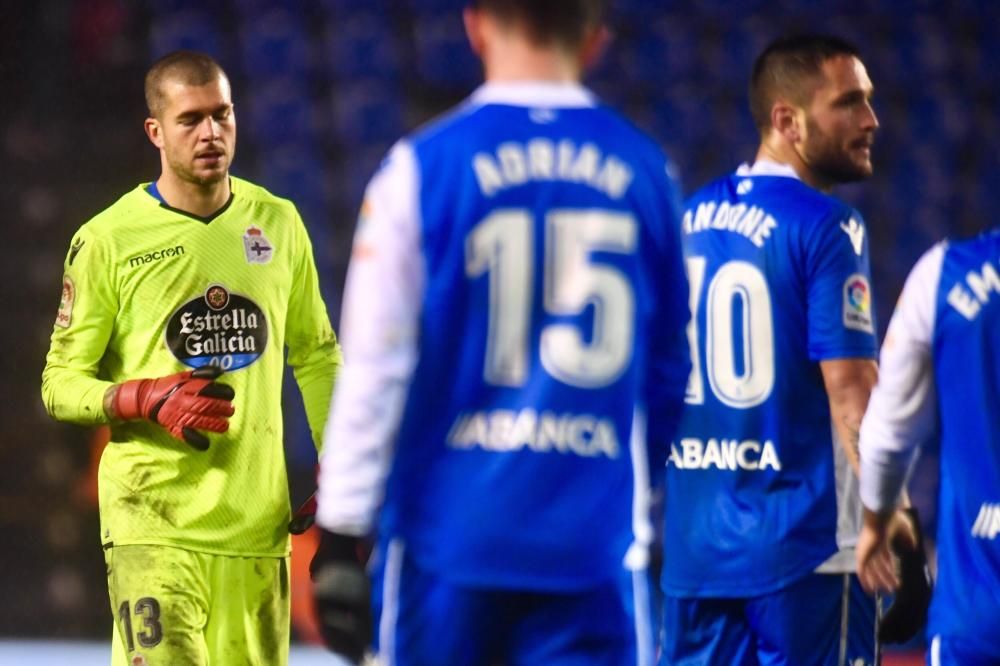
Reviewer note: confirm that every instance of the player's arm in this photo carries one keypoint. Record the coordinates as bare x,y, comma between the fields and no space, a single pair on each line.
901,415
849,383
841,326
313,351
184,404
71,389
379,328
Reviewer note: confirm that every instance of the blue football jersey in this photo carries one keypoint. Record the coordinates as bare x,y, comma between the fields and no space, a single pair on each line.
780,280
966,350
939,380
549,306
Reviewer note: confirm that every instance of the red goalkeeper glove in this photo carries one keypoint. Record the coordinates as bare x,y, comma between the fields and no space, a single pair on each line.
183,403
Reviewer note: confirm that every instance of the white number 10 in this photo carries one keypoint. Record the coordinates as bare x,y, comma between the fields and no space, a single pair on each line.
502,245
741,284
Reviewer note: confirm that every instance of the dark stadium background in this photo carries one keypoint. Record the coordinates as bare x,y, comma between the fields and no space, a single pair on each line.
322,88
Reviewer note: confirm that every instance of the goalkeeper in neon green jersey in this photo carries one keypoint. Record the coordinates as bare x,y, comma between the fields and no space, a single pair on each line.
178,304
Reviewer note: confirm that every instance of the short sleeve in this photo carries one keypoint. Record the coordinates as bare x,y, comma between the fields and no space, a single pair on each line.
841,309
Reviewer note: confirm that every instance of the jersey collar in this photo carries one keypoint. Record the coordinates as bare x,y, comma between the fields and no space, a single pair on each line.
534,94
152,191
767,168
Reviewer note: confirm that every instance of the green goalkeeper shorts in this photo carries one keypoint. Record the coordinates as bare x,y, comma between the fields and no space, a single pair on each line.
175,606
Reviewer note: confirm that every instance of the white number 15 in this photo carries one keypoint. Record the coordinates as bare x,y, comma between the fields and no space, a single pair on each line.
502,244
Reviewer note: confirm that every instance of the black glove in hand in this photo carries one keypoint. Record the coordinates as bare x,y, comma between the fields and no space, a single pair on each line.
343,595
908,613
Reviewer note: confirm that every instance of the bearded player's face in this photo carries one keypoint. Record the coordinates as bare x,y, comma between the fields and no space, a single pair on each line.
840,123
199,130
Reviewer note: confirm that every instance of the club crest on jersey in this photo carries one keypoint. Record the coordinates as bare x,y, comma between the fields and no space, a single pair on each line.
858,304
258,249
65,315
219,328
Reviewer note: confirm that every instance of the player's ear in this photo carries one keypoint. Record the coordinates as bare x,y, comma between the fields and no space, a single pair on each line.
595,43
472,18
154,131
785,121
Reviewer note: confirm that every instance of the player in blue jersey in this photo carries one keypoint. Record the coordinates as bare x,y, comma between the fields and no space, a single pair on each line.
761,503
938,379
516,303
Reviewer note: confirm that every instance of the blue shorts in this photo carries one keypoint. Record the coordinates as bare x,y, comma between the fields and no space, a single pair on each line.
803,623
423,619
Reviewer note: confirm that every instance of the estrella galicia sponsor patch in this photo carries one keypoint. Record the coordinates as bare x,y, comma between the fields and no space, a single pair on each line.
256,246
65,315
858,304
218,328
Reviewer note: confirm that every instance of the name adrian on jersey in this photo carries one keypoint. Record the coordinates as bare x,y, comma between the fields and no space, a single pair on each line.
724,454
217,328
504,430
545,160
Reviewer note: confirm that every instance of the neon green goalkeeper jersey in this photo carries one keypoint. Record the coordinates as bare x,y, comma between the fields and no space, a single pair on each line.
150,291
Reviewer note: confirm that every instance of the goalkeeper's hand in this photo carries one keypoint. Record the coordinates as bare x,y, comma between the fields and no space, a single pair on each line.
908,613
343,594
183,403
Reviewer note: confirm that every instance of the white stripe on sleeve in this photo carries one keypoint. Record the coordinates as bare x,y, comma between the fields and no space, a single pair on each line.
378,332
902,411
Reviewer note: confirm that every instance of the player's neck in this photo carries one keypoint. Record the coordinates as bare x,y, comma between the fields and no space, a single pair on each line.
518,60
787,155
200,200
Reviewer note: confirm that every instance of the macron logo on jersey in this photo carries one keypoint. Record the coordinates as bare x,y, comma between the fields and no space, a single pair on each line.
987,524
155,255
856,232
